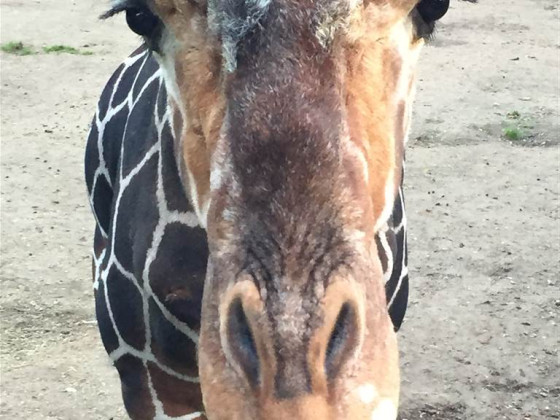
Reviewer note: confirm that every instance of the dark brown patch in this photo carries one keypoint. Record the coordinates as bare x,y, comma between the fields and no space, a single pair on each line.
178,397
135,391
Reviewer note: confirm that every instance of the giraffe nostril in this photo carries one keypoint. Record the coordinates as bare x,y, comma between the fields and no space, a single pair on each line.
342,341
241,341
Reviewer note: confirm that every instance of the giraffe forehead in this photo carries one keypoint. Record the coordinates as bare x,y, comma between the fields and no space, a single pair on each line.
234,20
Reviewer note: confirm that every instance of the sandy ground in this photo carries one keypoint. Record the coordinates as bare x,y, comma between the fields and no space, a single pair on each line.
480,339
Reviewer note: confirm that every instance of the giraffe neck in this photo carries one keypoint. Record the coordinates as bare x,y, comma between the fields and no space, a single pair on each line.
148,316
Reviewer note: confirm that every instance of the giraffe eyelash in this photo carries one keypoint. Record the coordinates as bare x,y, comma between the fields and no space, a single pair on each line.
118,7
115,10
425,16
422,29
140,19
112,12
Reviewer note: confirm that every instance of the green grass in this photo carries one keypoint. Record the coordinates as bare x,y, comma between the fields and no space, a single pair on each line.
517,127
513,133
64,49
17,48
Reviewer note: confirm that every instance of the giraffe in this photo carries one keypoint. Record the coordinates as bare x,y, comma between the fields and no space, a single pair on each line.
244,168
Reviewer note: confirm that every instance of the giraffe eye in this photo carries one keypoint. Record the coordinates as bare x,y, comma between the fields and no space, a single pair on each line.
432,10
425,15
142,21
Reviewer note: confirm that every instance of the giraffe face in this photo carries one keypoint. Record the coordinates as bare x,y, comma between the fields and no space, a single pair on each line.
291,118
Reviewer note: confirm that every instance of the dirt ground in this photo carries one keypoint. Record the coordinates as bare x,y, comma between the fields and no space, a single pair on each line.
480,340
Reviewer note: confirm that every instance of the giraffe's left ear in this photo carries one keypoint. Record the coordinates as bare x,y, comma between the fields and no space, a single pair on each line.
432,10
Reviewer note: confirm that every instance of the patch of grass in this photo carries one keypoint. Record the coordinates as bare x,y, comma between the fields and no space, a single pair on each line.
17,48
513,133
64,49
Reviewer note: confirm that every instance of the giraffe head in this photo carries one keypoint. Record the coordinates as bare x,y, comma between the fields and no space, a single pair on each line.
290,118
